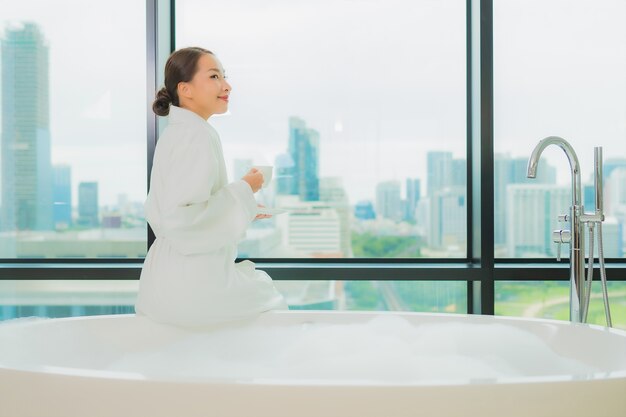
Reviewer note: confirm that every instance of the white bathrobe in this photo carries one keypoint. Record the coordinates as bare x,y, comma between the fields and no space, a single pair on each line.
189,276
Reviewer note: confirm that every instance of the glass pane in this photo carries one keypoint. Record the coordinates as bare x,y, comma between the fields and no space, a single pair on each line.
550,299
363,121
423,296
558,70
66,298
73,141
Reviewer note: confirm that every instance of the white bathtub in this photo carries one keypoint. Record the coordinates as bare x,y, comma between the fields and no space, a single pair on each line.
63,367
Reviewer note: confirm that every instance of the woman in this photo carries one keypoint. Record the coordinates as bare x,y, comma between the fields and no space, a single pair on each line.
189,276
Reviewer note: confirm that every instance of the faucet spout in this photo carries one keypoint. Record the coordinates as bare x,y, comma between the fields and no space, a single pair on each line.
533,163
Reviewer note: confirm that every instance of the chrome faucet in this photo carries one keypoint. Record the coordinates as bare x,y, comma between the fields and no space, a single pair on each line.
577,260
580,287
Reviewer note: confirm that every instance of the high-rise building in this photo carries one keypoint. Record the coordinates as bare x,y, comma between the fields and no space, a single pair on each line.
446,193
62,195
422,217
310,228
615,200
364,210
439,171
25,142
88,204
459,173
304,150
334,194
589,198
447,225
532,214
444,171
388,202
615,191
508,171
413,192
284,169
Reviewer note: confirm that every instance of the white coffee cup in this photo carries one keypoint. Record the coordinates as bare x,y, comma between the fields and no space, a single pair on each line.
266,170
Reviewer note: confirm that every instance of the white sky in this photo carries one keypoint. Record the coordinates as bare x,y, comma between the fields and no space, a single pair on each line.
382,81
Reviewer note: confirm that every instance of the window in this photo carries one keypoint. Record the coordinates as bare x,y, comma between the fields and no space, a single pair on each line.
558,70
73,141
364,121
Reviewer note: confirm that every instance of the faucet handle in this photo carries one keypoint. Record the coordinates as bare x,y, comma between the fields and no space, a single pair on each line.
559,237
556,238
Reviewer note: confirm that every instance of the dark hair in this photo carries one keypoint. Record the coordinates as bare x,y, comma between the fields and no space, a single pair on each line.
180,67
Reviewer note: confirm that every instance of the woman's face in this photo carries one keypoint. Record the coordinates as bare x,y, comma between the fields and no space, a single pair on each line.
208,92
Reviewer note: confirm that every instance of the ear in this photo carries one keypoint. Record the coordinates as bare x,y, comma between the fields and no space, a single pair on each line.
184,89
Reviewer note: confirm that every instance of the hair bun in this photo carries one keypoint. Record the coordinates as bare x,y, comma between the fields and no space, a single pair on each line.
161,104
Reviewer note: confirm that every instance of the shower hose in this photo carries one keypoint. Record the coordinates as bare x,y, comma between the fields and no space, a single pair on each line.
589,278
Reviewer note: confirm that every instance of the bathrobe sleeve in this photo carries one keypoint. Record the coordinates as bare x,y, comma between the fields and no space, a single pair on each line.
194,219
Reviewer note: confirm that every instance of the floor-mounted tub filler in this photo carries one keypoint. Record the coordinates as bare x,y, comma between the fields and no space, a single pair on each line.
312,363
580,285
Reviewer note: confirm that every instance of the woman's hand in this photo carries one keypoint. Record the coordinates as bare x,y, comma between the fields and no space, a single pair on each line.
254,177
262,216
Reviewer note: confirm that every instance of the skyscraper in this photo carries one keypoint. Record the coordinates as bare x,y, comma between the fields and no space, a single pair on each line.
284,169
532,214
334,194
439,171
589,198
25,143
62,195
388,202
447,185
615,200
304,150
88,204
509,171
459,173
448,218
615,192
413,192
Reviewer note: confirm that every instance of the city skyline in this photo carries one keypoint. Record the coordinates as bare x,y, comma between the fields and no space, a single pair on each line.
340,132
364,151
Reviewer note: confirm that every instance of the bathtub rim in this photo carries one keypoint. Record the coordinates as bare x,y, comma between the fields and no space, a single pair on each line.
618,376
